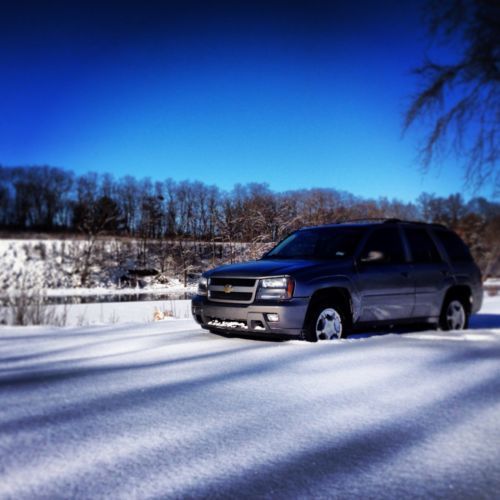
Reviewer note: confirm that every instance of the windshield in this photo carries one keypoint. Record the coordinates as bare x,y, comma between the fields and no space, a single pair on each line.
324,243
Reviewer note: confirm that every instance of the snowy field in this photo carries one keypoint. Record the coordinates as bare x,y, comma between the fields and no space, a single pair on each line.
122,312
166,410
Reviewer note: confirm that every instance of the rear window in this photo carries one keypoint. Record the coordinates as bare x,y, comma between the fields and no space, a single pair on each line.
422,247
455,248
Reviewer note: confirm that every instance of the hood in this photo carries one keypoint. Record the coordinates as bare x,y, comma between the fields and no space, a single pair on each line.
272,267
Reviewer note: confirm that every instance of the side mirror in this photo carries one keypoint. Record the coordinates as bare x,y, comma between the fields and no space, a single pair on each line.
374,256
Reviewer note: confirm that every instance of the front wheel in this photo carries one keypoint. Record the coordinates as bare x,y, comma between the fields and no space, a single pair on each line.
454,315
327,322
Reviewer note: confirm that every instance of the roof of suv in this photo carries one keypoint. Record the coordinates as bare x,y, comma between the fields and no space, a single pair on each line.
377,221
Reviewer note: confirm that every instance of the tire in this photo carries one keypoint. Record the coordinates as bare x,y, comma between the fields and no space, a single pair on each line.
454,314
327,322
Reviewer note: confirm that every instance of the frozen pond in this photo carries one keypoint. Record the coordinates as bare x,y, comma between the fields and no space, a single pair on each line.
101,298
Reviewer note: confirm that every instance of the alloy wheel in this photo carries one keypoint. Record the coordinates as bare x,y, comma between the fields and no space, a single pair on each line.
455,315
329,325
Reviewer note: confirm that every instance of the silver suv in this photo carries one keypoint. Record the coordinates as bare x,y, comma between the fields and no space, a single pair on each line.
322,282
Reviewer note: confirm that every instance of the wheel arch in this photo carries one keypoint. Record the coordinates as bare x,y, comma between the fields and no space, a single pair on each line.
462,292
336,294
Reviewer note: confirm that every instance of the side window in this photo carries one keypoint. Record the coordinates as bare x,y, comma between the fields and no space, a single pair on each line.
455,248
384,246
422,248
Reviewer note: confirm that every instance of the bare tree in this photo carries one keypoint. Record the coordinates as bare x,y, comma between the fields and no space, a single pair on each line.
462,98
93,218
128,198
186,259
5,197
492,248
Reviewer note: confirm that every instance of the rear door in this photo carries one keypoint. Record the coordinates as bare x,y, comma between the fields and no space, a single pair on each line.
385,286
430,272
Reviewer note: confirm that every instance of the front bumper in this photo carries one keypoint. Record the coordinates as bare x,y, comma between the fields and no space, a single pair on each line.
252,318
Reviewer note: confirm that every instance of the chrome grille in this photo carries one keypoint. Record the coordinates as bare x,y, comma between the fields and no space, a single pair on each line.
247,282
232,289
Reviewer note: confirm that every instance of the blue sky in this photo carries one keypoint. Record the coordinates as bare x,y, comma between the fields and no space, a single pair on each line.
296,94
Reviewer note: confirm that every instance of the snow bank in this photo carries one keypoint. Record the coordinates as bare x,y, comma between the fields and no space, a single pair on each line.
123,312
166,410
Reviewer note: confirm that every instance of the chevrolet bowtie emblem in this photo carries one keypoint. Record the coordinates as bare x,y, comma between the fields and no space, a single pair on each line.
228,288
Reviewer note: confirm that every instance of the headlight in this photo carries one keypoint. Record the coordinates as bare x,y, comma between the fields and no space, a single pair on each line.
202,286
275,288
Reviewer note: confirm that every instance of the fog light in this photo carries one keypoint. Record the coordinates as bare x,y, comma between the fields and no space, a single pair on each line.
273,317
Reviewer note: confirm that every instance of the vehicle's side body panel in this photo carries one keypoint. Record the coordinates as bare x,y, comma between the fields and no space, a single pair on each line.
432,281
387,292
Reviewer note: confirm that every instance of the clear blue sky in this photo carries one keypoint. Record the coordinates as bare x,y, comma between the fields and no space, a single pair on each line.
293,93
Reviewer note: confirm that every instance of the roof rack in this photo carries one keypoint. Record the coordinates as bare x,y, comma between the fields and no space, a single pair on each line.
388,220
368,220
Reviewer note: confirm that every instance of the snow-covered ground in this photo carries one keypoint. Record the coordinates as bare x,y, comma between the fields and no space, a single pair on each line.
122,312
174,287
167,410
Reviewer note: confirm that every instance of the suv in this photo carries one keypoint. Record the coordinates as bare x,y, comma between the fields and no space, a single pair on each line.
320,283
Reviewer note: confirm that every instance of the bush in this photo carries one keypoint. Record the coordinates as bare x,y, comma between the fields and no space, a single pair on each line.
27,305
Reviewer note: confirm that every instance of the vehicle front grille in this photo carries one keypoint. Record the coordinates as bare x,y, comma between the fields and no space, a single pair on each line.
232,289
247,282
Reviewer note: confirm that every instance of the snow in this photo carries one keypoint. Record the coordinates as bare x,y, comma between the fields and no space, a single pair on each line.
492,281
123,312
165,409
229,324
113,312
174,287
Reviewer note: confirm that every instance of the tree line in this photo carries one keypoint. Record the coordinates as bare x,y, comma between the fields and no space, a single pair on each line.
50,199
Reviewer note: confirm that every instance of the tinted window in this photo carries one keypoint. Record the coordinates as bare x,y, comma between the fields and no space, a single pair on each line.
455,248
318,243
386,241
422,247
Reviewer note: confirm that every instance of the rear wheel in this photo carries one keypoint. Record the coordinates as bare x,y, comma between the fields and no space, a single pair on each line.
454,315
327,322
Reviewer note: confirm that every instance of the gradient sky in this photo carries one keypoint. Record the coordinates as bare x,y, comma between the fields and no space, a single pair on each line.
297,94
